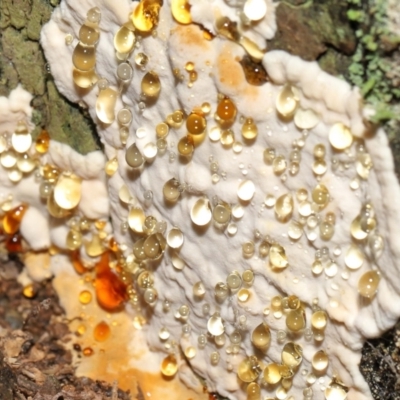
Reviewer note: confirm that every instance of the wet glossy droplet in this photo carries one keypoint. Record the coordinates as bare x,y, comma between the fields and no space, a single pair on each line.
226,110
200,213
186,146
12,219
74,239
215,325
101,332
169,366
336,391
84,57
246,190
277,256
196,124
105,105
271,374
175,238
319,320
368,284
146,14
320,195
133,156
42,142
320,361
292,354
85,297
287,101
306,119
151,85
67,191
340,136
295,320
89,34
284,207
261,336
354,257
124,40
84,79
171,190
181,11
249,369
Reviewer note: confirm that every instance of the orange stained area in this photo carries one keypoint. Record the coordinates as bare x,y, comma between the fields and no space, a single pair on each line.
14,244
113,359
110,289
191,35
77,263
12,219
230,74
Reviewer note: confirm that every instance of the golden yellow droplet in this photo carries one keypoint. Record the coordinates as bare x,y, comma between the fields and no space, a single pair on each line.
29,291
171,190
74,239
284,207
295,320
226,110
243,295
169,366
253,391
101,332
186,146
181,11
85,297
94,247
136,219
42,142
272,374
196,124
111,166
146,14
320,195
249,129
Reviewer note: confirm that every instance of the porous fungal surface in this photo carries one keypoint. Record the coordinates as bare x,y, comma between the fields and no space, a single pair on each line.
253,211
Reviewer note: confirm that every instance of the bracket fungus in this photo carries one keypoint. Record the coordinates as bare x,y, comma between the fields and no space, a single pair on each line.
282,190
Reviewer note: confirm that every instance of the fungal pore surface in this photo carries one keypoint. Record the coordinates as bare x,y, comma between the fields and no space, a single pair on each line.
241,224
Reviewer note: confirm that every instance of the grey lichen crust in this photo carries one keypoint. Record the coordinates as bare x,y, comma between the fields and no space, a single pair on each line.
22,62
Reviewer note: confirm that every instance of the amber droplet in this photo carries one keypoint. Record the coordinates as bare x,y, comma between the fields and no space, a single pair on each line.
84,79
74,239
101,331
196,124
124,40
42,142
110,290
133,156
77,263
14,244
87,351
226,110
85,297
29,291
105,105
169,365
254,72
181,11
84,57
151,85
12,219
186,146
146,14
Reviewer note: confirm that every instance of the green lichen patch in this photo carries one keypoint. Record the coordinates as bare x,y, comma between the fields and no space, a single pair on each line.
22,62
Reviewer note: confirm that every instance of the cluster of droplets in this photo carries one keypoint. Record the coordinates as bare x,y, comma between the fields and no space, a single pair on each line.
18,155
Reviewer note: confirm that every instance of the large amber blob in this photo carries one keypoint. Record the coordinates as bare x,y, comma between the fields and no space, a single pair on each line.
145,16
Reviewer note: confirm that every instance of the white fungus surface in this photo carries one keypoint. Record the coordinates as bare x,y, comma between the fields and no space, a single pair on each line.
209,253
